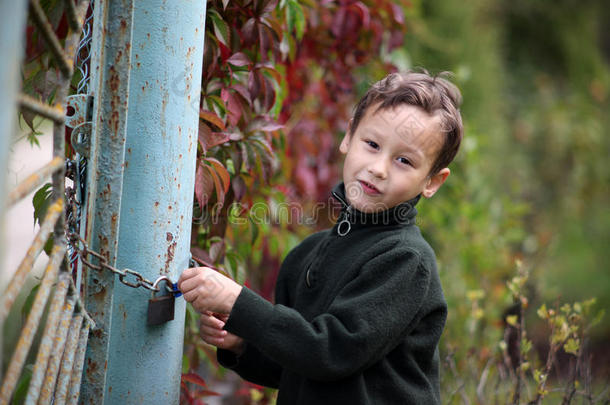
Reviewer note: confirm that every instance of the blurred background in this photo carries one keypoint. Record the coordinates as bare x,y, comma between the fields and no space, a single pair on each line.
522,227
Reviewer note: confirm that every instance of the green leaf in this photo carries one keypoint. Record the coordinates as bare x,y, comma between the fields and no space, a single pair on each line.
598,317
572,345
253,231
41,202
295,18
221,28
29,301
542,312
23,385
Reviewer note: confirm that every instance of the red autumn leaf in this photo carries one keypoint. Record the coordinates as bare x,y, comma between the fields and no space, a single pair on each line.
225,52
364,13
239,188
274,25
250,32
222,172
234,107
239,59
271,70
242,90
212,118
204,185
398,14
205,393
265,7
194,378
254,84
264,124
220,193
269,94
209,139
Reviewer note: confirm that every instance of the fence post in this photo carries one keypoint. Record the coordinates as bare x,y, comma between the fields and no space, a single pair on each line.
146,80
12,31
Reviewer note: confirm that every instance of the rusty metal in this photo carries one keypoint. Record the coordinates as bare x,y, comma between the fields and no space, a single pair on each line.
79,360
60,312
59,343
110,66
55,112
27,334
141,176
35,180
67,361
48,336
16,283
80,104
53,212
46,30
85,251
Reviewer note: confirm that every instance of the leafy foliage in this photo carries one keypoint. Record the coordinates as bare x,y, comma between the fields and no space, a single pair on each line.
283,78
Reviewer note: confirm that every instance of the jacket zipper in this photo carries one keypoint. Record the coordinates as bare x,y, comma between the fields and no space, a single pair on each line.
344,225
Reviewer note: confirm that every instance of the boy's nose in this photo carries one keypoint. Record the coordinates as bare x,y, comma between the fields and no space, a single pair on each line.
378,168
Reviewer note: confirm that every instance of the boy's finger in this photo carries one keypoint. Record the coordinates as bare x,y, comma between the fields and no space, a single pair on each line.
214,341
212,332
212,321
186,274
188,284
189,296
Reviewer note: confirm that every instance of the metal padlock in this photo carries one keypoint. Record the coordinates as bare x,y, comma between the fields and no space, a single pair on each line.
161,309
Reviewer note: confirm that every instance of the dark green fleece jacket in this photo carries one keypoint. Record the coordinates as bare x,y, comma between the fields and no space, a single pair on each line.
358,316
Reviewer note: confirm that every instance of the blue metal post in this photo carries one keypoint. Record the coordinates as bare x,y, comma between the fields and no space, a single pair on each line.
110,73
159,119
12,30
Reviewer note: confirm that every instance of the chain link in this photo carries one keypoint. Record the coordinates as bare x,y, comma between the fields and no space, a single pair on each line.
85,252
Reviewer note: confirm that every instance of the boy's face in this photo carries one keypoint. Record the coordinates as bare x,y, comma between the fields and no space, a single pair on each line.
389,157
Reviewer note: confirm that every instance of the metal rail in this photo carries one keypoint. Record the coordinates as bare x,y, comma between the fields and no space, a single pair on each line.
59,355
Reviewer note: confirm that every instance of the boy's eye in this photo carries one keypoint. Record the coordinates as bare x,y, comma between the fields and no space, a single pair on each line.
404,161
372,144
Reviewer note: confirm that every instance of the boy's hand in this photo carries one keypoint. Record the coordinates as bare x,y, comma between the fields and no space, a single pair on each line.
212,332
208,290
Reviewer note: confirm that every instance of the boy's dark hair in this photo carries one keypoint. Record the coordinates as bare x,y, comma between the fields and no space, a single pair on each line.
431,93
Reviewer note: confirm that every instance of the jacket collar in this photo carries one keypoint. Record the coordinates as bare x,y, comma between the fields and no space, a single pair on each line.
350,218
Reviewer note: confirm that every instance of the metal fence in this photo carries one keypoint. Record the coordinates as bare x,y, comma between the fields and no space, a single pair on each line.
139,62
59,361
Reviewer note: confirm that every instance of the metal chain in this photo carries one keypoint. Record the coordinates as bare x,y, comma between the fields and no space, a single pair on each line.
74,239
85,251
77,172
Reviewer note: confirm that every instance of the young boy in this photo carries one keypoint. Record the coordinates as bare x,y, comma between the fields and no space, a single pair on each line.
359,308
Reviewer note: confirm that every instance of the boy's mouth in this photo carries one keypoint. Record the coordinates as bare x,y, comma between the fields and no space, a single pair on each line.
369,188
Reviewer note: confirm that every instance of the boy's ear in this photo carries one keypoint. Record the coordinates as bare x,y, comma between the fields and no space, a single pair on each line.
346,139
435,182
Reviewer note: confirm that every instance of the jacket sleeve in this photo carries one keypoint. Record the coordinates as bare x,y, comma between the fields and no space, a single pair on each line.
252,365
366,319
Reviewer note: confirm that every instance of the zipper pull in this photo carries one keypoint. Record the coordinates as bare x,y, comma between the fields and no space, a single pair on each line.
344,225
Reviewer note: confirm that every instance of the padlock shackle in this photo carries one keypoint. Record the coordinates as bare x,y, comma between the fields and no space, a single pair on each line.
162,278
